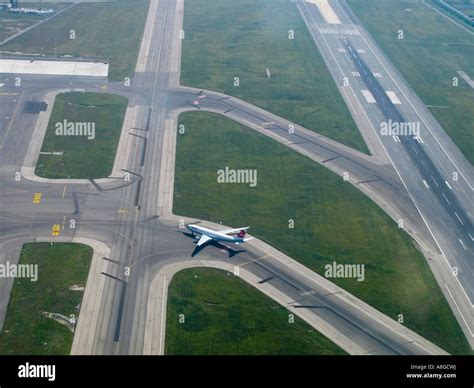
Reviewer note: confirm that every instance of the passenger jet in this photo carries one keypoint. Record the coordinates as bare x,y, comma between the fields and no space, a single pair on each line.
235,236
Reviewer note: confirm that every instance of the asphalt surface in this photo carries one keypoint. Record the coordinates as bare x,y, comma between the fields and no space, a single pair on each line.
134,218
425,167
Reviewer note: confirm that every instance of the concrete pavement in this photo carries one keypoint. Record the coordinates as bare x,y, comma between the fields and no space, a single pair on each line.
136,222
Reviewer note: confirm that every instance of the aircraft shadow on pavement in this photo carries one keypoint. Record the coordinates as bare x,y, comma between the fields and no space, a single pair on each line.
230,251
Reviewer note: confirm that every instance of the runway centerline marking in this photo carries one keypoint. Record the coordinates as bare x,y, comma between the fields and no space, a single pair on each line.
459,310
394,165
409,102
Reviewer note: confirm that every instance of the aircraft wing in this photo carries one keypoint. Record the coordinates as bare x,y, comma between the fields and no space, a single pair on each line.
204,239
233,231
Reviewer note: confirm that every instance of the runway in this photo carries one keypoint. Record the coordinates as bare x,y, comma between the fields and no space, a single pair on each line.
135,220
428,166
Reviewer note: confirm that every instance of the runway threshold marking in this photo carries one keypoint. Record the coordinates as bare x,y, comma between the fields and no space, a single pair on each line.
163,304
64,191
426,184
37,198
266,279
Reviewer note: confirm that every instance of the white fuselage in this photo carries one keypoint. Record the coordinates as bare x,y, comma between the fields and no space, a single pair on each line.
215,234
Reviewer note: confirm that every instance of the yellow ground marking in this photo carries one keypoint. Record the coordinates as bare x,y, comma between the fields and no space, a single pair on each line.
37,198
56,230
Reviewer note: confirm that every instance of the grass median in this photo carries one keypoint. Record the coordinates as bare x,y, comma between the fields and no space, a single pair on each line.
244,38
333,221
429,56
110,31
79,156
60,266
223,315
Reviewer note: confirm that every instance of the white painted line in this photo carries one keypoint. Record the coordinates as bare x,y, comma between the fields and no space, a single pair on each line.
472,238
393,97
434,180
426,184
22,66
446,198
466,78
59,153
163,304
396,138
456,214
459,310
326,11
447,184
462,243
416,111
369,97
418,139
391,160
